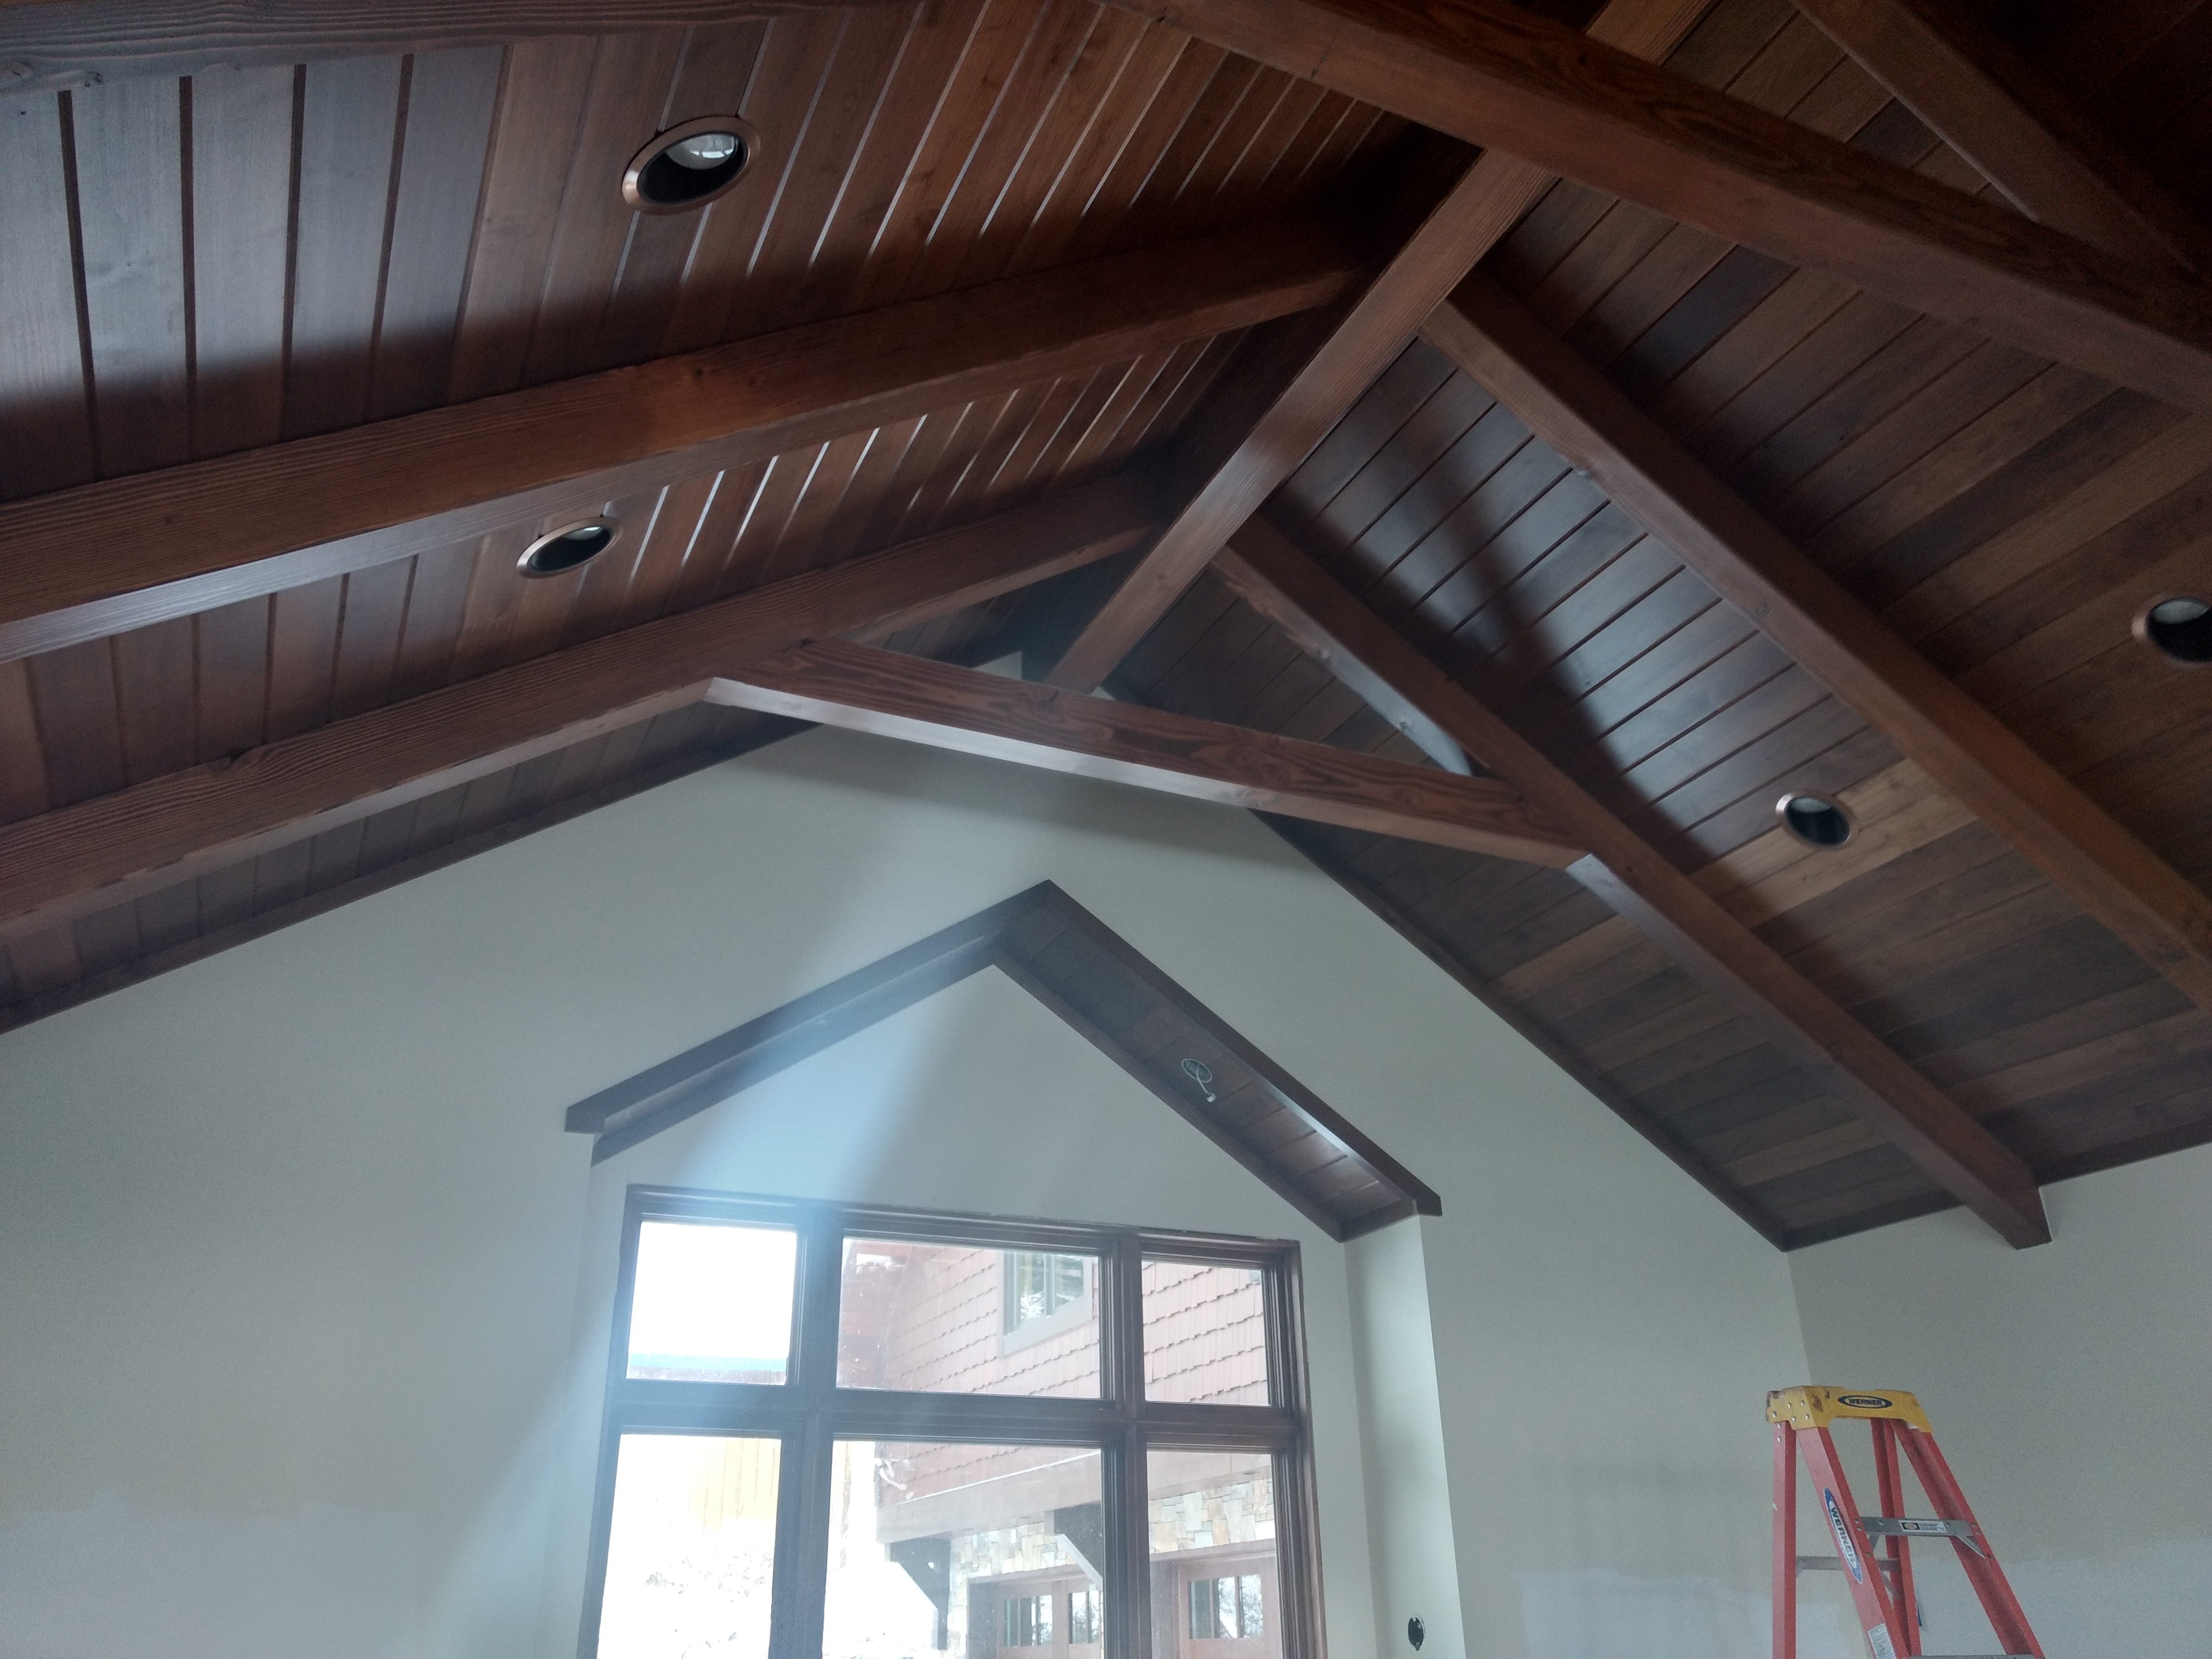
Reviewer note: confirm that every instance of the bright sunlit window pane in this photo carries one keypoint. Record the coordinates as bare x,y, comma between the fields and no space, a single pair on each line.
1205,1333
963,1550
692,1556
713,1302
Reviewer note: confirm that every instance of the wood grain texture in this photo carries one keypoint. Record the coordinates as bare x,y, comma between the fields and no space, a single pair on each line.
1995,110
1497,76
50,44
1713,946
1485,203
1964,747
134,551
1111,995
382,860
98,852
1501,1002
867,689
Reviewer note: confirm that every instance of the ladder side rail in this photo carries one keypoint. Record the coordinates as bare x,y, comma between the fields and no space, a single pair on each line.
1870,1595
1893,1503
1988,1578
1785,1542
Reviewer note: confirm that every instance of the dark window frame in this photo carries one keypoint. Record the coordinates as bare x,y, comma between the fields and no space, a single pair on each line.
809,1413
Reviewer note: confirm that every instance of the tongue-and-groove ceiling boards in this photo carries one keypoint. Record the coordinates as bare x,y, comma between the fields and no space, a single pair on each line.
1830,432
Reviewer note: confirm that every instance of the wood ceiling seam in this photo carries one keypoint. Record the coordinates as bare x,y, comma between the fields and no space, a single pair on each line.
1992,106
1477,210
277,793
2044,415
1911,435
1996,775
2001,1195
1408,925
1192,314
1491,73
1826,747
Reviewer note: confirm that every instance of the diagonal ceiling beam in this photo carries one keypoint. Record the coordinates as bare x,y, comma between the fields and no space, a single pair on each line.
1965,748
1978,95
1709,944
102,851
72,43
1503,78
128,551
867,689
1472,219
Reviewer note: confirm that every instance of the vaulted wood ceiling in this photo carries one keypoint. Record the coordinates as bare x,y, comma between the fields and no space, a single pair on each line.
1514,541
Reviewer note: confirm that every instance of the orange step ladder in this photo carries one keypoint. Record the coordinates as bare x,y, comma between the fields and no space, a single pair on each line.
1880,1585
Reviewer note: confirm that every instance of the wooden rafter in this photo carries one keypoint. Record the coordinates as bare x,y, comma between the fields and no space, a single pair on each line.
1965,748
1487,202
102,851
867,689
70,43
1709,944
1499,75
1995,110
130,551
1107,990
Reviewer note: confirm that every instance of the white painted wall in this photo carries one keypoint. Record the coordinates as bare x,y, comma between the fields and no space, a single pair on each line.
303,1296
2067,1386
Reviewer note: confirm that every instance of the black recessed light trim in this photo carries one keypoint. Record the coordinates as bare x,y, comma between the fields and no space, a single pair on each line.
573,545
1815,820
2179,627
689,165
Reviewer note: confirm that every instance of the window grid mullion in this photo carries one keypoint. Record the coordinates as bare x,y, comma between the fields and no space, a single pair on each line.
810,1413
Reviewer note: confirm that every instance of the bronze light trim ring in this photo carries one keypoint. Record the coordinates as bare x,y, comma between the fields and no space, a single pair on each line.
571,547
685,169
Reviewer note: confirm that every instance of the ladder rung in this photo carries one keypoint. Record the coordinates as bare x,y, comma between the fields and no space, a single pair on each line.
1909,1527
1834,1563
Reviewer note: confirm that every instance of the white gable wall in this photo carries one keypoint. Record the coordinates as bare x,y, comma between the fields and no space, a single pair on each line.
2066,1385
303,1294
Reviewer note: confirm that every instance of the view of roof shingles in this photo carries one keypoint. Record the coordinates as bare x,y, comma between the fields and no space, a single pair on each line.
301,242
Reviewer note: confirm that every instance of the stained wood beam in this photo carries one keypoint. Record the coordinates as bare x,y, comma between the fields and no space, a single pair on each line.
1496,74
73,43
1487,202
2028,140
867,689
1709,944
1104,989
2162,915
102,851
129,551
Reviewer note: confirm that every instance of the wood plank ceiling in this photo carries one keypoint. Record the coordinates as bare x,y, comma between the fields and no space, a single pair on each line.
309,242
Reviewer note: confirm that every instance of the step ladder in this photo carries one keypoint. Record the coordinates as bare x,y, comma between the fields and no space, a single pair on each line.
1880,1585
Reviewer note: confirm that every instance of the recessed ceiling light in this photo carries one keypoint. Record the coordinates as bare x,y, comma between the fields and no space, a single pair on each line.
571,545
1815,820
689,165
2180,626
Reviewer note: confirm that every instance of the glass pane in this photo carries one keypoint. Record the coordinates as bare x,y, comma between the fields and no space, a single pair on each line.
956,1320
1205,1333
713,1302
979,1551
1216,1593
691,1559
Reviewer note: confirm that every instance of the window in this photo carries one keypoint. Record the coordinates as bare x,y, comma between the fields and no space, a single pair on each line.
865,1434
1039,1285
1227,1608
1029,1622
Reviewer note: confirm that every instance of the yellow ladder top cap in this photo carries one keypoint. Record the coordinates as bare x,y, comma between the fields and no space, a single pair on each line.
1812,1407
